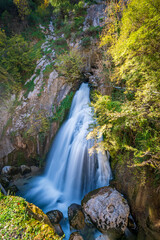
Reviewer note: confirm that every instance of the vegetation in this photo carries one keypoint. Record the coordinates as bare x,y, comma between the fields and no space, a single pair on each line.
15,60
20,49
131,125
60,112
21,220
70,65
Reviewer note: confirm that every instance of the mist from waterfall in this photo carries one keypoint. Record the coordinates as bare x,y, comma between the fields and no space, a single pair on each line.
70,171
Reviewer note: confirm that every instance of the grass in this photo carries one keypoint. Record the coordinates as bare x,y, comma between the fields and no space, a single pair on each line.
29,86
19,220
86,42
9,123
63,109
59,45
94,31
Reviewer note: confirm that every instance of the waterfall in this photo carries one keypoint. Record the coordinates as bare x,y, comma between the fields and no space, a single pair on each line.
70,172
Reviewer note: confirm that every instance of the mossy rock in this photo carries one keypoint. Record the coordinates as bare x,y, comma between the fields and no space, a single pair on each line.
22,220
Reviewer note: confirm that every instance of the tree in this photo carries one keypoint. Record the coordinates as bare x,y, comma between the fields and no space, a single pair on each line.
15,60
135,126
23,8
70,65
62,6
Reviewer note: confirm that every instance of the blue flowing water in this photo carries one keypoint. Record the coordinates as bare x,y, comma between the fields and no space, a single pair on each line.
70,171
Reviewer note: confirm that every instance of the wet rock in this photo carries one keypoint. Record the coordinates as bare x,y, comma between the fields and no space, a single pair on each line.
107,210
131,223
102,237
54,216
10,170
58,229
25,169
76,236
76,216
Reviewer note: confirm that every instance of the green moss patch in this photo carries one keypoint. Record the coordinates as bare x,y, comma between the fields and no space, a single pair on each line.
18,220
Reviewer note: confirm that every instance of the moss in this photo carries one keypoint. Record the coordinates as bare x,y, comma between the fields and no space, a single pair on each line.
59,45
21,220
29,86
63,109
9,123
20,159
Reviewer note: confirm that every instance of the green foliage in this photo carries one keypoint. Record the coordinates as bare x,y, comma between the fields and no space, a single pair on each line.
61,6
15,58
9,123
94,31
60,45
135,53
18,223
86,42
63,109
48,70
23,8
29,86
70,65
39,123
132,45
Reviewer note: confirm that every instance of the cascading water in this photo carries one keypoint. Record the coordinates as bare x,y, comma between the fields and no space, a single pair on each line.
70,172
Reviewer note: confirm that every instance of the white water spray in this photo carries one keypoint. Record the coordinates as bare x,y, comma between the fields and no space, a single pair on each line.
71,172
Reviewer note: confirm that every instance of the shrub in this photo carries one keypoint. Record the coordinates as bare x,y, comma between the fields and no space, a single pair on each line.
70,65
86,42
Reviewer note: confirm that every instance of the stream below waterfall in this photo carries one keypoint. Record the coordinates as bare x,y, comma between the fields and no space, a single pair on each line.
70,171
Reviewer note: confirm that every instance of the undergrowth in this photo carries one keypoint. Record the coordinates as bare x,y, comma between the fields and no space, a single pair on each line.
17,223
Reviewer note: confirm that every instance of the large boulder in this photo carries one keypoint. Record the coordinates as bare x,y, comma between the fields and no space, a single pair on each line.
76,216
107,209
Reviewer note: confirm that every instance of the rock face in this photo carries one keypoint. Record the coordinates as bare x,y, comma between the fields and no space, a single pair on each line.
107,209
76,216
19,135
143,197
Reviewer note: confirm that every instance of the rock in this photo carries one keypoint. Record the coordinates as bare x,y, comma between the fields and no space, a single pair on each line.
34,169
25,169
102,237
93,80
10,170
76,216
131,223
54,216
76,236
58,229
107,210
4,181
